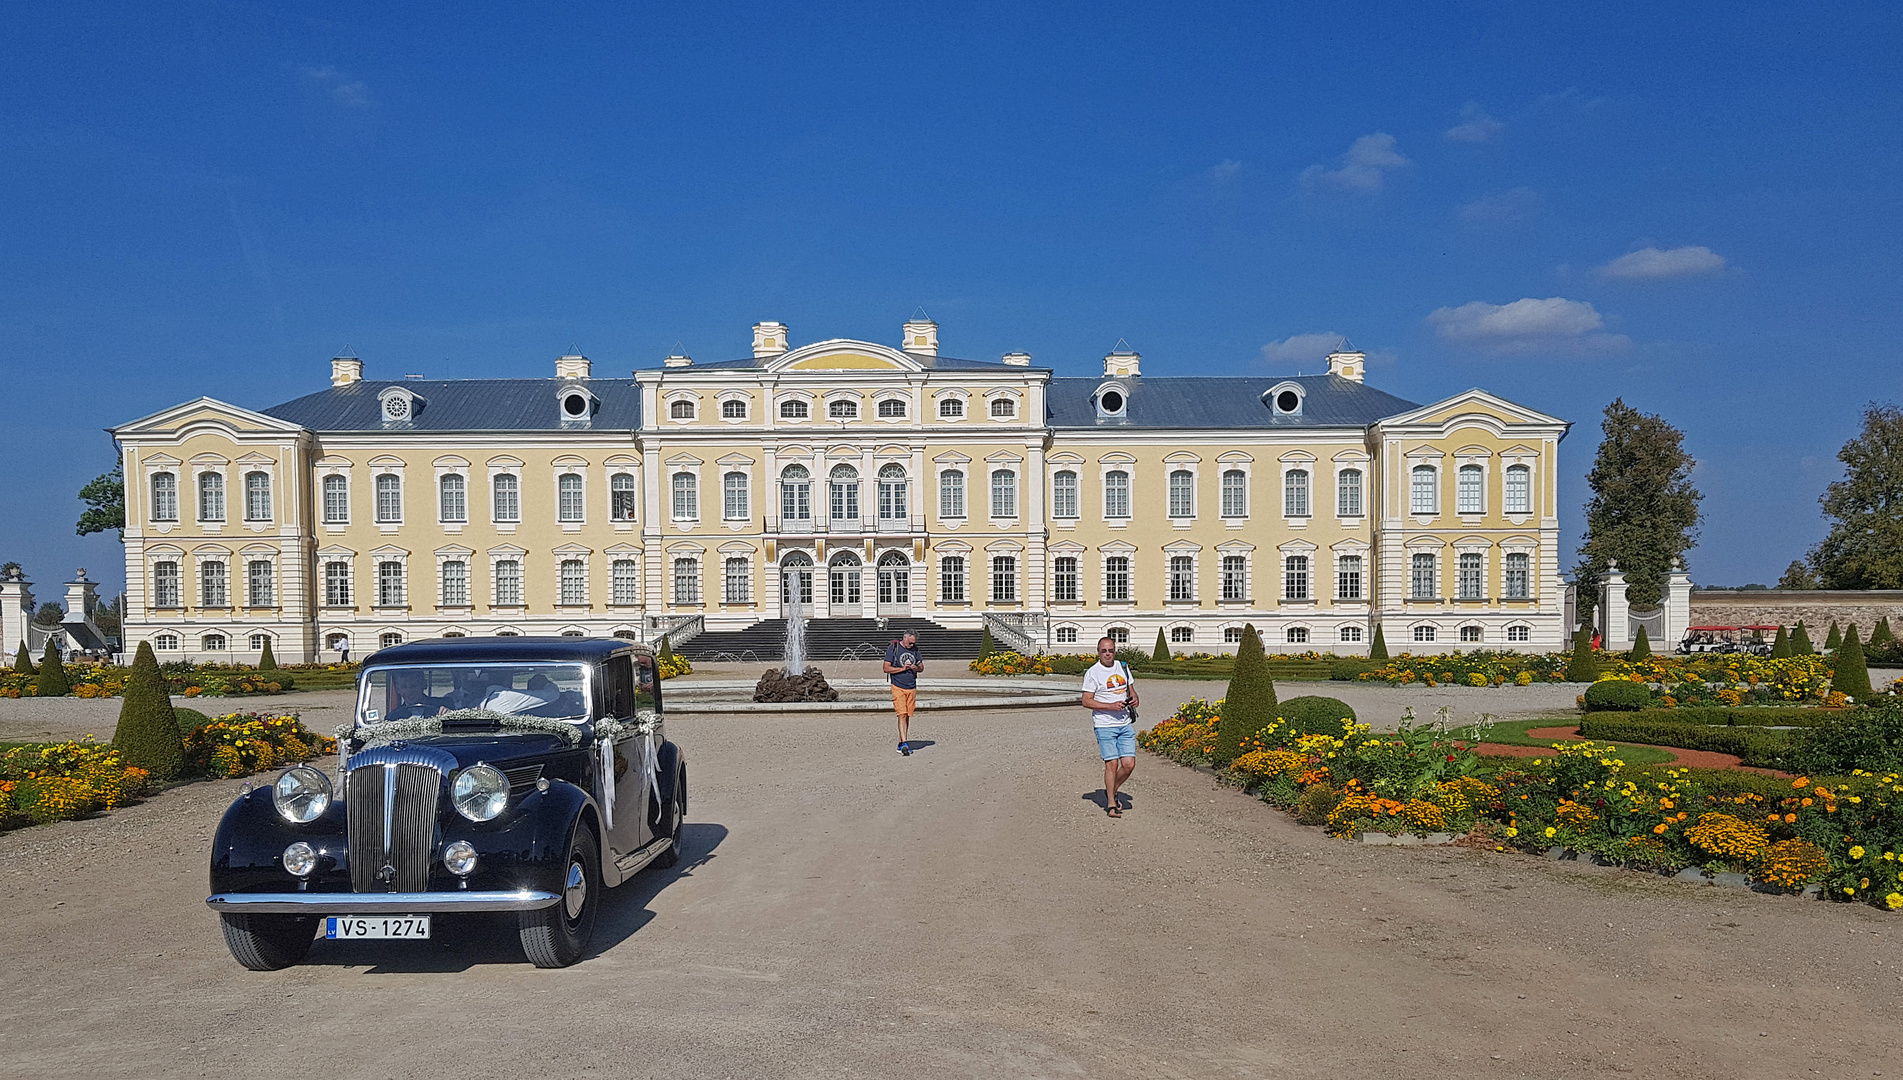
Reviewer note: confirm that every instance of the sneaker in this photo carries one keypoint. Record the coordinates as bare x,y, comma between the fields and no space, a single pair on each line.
906,749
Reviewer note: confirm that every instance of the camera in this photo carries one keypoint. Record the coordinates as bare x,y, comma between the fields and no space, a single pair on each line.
1130,711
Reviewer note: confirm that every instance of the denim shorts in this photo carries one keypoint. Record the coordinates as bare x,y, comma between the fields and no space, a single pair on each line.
1117,742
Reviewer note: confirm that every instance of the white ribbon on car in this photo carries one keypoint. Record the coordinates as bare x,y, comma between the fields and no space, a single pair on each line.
606,796
611,731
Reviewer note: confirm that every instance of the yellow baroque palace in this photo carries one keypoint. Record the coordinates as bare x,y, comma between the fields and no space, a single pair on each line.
858,480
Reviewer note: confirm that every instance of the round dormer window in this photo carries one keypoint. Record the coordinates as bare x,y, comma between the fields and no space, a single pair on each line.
396,407
1111,400
1288,401
575,405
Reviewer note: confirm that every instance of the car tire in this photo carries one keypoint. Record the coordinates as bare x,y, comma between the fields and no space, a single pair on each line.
672,856
268,942
557,935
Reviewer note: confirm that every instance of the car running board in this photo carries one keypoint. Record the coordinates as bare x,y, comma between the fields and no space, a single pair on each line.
636,861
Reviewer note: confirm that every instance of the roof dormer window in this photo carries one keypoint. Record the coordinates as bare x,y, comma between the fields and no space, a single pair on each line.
575,406
1112,400
397,405
1285,399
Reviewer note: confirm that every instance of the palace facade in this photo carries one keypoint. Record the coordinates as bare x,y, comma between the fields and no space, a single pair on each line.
860,479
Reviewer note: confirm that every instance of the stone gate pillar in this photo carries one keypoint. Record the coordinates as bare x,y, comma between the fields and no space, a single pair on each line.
1615,613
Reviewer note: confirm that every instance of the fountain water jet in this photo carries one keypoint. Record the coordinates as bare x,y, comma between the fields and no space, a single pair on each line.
793,681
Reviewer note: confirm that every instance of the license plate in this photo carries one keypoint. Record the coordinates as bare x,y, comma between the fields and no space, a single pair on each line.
377,926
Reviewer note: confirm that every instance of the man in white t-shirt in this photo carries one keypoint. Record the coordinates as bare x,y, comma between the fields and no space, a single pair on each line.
1111,697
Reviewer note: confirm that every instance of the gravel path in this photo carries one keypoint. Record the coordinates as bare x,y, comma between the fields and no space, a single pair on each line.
968,911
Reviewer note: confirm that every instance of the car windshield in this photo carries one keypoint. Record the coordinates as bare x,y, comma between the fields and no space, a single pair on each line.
557,691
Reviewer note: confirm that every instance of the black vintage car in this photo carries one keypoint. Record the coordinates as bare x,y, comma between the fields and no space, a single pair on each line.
507,774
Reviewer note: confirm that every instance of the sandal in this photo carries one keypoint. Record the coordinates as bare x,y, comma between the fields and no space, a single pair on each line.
1113,810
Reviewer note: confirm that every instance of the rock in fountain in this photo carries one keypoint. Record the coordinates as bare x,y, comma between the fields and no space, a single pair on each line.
795,681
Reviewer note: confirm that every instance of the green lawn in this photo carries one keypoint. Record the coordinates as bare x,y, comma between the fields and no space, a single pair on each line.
1514,733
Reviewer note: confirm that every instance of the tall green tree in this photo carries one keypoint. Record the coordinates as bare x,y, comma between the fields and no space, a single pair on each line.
1643,513
1864,549
148,733
105,499
1851,676
1249,705
49,615
1797,576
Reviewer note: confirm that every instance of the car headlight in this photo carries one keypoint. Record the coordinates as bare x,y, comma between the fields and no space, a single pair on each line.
480,792
301,795
460,858
300,859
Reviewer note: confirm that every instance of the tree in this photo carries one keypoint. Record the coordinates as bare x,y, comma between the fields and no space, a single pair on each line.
1780,646
53,681
1864,549
1641,646
49,615
1851,677
1160,654
1800,641
10,569
1797,576
1584,665
105,500
1379,649
267,662
148,734
109,616
23,661
1835,639
1249,705
1643,513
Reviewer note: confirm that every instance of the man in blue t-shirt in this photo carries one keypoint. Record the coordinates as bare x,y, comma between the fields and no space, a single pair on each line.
902,665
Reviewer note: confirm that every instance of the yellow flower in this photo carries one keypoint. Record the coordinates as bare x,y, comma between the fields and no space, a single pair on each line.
1857,852
1550,831
1511,832
1895,900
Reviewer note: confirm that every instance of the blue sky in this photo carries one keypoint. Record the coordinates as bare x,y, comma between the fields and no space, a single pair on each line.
1694,207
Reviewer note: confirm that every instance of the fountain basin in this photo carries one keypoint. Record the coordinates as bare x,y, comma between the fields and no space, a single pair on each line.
872,695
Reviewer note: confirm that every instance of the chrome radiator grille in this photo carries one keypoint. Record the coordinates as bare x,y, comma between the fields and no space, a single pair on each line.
391,808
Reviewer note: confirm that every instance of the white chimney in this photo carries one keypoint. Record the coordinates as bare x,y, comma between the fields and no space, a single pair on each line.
920,335
1348,365
1122,363
678,360
1018,359
345,370
769,339
572,366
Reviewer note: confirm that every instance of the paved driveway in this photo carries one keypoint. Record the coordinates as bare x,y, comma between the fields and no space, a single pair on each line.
967,911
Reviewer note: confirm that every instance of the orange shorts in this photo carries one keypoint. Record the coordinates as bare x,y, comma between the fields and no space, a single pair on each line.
904,702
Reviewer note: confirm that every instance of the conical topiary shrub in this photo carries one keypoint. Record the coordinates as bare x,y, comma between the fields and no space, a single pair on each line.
148,735
53,680
267,662
1851,677
1780,646
23,661
1881,635
1584,666
1835,639
1379,649
1800,641
985,645
1249,705
667,648
1160,654
1641,647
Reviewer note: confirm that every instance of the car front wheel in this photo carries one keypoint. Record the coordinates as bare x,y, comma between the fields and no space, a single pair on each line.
268,942
557,935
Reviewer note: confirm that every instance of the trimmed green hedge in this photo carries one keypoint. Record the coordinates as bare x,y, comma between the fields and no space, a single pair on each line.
1720,716
1764,749
1620,695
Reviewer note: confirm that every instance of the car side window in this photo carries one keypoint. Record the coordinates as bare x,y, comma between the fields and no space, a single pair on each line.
617,687
647,690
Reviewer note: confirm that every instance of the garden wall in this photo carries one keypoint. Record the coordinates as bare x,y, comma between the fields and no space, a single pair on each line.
1818,608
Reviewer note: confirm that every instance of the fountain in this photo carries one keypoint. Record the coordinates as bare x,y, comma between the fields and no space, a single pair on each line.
792,681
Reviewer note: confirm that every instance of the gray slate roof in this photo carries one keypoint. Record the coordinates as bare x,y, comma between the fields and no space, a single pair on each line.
1221,402
940,363
464,405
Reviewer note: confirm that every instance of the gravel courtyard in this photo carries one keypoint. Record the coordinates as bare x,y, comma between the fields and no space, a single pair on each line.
843,911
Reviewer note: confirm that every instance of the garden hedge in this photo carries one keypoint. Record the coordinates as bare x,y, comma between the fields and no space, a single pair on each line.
1617,695
1870,739
148,735
1763,749
1722,716
53,681
1315,715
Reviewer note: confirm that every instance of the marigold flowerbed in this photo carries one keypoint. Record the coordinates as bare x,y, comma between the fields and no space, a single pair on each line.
1842,834
1702,680
57,781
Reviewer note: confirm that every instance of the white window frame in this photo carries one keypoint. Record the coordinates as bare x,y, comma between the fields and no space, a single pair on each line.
1423,573
952,496
1423,499
1296,495
1235,577
164,504
684,497
1359,580
383,582
1180,485
1004,493
736,580
571,497
1298,575
622,482
736,500
1004,585
953,575
452,583
445,512
1470,488
339,591
1116,495
1524,504
1351,495
1234,484
383,513
506,588
1119,581
685,572
1066,495
497,494
1525,572
254,597
160,585
257,497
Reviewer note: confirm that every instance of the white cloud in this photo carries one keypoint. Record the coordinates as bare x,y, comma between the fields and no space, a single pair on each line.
1652,264
1555,324
1224,171
1301,348
1364,167
340,87
1475,126
1514,204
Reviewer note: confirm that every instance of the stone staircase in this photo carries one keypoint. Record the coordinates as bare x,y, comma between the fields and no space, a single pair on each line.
832,639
